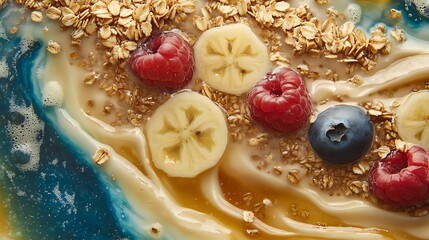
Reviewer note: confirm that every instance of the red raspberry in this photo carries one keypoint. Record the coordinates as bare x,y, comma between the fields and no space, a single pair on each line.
401,179
165,61
280,101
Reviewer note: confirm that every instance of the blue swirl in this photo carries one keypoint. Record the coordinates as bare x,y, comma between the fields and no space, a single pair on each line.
66,198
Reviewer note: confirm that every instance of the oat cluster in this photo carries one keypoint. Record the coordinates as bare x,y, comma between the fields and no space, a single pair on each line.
301,30
240,125
54,47
101,156
119,25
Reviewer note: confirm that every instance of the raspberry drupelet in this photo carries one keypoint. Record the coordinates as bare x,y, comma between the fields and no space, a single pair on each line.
165,61
280,101
401,179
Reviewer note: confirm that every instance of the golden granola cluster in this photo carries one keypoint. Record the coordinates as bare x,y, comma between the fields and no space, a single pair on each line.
300,29
119,25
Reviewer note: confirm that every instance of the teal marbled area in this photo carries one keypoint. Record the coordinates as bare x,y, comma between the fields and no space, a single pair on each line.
414,22
64,197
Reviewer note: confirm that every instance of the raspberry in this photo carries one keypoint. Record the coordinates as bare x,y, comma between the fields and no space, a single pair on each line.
280,101
401,179
165,61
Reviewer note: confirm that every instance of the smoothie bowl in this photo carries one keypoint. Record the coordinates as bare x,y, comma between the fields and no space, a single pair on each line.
191,119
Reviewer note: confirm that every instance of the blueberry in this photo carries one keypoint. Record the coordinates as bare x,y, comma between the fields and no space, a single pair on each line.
341,134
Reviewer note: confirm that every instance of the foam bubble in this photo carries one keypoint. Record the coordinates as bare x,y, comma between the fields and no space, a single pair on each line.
422,6
26,135
52,94
66,199
4,69
353,12
27,42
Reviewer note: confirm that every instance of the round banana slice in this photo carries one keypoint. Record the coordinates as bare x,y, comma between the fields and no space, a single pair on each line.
230,58
413,119
187,135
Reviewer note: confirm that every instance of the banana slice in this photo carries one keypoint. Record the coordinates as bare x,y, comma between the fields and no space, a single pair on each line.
187,135
230,58
413,119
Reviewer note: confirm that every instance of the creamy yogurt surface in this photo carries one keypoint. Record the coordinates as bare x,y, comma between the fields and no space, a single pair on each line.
58,116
